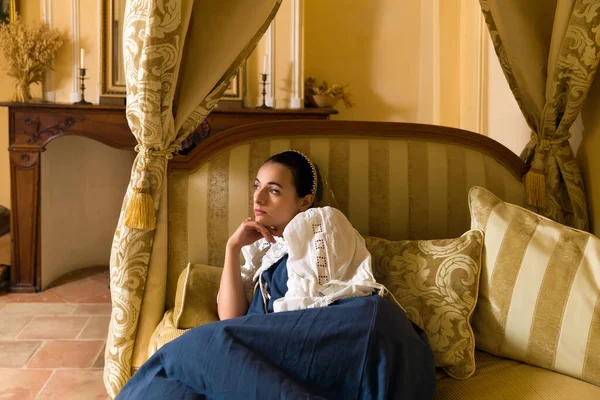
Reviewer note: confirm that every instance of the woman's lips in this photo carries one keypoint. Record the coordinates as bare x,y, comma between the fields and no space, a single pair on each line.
259,212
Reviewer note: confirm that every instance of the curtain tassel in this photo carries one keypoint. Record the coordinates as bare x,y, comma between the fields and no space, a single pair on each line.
535,188
140,212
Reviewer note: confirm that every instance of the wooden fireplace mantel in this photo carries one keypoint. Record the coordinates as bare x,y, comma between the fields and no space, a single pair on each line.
33,125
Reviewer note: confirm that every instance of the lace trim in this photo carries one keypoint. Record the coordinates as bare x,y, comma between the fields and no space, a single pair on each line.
274,253
320,254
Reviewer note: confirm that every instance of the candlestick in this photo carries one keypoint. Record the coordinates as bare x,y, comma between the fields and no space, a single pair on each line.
82,87
264,91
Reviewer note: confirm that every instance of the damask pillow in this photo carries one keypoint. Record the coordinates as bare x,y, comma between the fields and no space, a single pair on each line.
539,300
436,281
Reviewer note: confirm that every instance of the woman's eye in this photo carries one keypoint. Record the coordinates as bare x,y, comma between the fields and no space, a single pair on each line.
255,186
274,191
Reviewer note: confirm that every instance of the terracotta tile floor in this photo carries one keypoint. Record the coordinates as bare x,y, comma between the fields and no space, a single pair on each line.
52,343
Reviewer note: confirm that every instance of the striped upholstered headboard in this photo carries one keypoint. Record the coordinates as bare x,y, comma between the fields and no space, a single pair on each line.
392,180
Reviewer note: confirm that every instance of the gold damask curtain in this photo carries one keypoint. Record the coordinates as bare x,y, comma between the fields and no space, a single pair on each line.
549,52
179,56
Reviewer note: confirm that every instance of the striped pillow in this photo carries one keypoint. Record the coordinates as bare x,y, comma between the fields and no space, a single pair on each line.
539,296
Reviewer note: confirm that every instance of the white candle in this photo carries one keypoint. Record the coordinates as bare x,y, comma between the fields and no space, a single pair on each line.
265,65
81,57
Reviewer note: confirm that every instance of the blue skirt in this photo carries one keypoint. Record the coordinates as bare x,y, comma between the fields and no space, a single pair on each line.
359,348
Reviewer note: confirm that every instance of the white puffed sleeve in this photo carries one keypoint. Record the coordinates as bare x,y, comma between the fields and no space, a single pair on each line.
327,261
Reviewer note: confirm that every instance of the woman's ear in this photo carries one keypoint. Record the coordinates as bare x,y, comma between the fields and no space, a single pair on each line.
306,202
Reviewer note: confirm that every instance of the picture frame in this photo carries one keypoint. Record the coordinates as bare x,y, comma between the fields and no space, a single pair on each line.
112,85
233,97
234,91
8,11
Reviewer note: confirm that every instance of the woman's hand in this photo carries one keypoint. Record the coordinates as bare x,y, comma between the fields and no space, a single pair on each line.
249,232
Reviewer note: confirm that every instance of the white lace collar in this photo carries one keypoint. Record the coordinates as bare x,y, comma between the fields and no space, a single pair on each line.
272,253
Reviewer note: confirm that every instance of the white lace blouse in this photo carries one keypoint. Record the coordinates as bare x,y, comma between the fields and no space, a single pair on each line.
327,261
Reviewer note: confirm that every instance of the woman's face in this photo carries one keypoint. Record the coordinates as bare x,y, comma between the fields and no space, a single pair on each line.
276,202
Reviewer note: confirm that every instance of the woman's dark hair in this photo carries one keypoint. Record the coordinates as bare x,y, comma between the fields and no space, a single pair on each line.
302,174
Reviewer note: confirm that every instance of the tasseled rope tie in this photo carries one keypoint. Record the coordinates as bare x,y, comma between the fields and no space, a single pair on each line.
140,212
534,180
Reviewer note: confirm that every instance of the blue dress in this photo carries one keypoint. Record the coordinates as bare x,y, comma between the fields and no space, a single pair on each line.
356,348
275,279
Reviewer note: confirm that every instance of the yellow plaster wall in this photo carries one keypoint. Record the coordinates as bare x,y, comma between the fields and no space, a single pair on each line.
283,62
89,40
30,11
373,46
399,57
450,63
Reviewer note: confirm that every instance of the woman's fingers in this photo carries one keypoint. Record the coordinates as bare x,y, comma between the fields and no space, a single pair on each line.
274,231
268,235
262,230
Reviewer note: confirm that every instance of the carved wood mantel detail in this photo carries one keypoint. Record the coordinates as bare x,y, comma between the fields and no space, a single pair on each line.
49,132
32,126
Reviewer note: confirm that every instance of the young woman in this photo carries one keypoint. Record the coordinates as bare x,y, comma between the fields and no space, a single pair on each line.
299,319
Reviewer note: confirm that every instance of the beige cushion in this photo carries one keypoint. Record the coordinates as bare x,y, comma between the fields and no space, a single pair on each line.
196,297
501,379
539,299
436,281
165,332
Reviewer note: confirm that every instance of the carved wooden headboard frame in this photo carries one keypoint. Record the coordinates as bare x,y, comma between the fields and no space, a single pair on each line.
212,146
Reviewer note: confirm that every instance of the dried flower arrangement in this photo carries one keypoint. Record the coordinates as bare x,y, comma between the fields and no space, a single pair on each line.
29,52
325,95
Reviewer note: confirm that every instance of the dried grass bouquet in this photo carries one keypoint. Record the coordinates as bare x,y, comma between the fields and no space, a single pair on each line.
335,91
29,52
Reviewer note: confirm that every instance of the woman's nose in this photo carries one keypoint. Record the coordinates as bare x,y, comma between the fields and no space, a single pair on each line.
258,197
